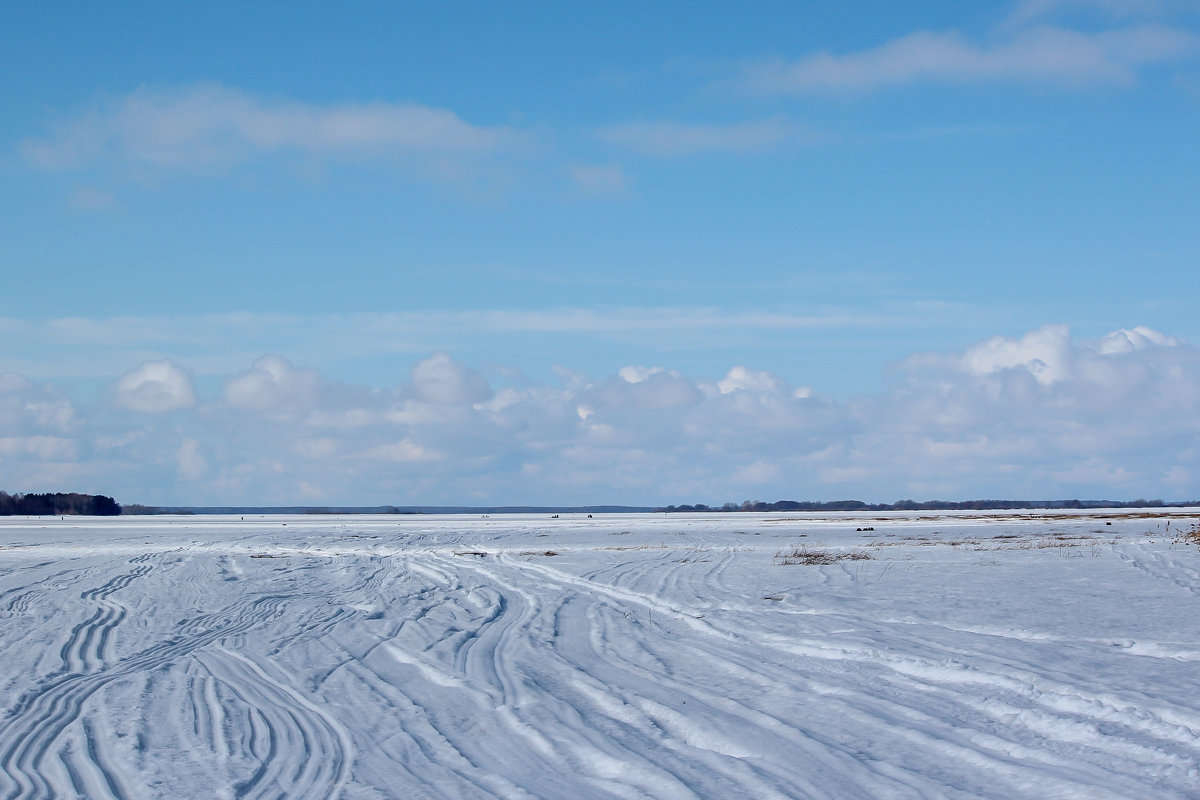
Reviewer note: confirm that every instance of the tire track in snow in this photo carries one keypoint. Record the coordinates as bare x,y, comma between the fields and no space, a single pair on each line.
87,647
881,708
1157,565
33,726
417,742
635,757
494,679
20,598
685,723
208,715
308,752
90,777
420,699
692,714
482,656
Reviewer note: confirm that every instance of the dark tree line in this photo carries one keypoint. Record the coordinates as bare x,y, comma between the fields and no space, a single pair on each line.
58,503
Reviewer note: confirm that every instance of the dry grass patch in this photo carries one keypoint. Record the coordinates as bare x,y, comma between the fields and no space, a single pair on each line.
637,547
803,554
1190,536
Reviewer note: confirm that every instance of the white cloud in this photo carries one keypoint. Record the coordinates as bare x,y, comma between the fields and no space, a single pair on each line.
1139,338
1048,355
190,460
41,436
206,125
668,138
223,343
759,472
40,448
1042,55
441,380
743,379
1035,415
402,451
636,374
1044,353
1039,413
273,383
155,387
29,408
1031,10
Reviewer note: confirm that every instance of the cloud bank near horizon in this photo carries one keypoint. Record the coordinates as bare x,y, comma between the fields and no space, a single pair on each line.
1036,416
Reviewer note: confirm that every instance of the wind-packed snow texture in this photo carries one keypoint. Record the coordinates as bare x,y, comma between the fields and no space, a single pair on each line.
957,656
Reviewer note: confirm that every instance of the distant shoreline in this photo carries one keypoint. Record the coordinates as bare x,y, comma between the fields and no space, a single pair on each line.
78,504
329,510
758,507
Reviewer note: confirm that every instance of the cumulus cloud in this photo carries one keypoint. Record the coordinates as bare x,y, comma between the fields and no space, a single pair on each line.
637,374
643,388
1044,354
1139,338
1039,413
1042,55
273,383
190,460
1034,415
40,448
155,387
200,126
40,435
1047,354
441,380
26,407
743,379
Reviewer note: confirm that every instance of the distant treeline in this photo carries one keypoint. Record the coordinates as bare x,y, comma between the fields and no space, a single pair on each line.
927,505
58,503
140,509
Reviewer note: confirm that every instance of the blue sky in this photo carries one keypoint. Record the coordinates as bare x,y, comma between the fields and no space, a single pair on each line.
668,253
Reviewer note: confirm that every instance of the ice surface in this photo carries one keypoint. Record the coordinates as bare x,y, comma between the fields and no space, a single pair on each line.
1032,655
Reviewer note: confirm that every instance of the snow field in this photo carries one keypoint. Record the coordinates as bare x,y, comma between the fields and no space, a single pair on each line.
628,656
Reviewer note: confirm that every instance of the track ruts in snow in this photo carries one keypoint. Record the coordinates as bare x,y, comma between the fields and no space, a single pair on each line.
642,658
31,728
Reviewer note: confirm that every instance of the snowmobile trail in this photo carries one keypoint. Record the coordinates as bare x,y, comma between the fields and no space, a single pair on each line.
626,656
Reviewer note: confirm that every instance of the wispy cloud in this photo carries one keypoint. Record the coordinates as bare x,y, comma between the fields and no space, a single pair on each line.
599,180
201,126
668,138
1042,55
77,347
1032,10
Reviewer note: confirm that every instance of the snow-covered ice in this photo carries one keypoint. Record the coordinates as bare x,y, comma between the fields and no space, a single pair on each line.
984,655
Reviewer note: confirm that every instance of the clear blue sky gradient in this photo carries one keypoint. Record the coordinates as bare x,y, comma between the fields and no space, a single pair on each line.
905,179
